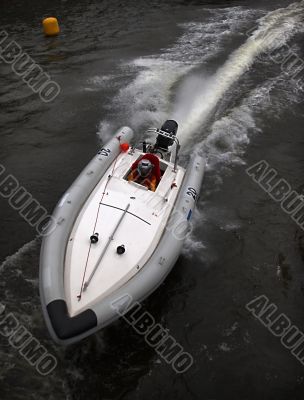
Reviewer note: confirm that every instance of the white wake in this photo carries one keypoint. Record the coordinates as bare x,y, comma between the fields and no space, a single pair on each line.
199,98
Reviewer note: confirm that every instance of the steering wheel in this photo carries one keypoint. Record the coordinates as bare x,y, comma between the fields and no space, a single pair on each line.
159,152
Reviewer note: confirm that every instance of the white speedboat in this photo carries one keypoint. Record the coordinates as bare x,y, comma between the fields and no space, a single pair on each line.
112,236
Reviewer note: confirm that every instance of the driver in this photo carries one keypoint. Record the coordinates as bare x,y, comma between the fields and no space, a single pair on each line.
144,174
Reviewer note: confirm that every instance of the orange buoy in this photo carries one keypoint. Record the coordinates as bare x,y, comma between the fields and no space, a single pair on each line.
50,26
124,147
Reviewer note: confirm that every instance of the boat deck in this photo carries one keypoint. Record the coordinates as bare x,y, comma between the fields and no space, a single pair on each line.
139,229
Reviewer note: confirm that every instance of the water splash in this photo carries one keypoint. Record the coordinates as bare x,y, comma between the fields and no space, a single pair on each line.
147,100
195,106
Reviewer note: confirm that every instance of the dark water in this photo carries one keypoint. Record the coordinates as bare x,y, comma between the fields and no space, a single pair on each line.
138,63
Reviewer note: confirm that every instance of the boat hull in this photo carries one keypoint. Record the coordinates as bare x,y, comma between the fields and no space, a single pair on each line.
67,330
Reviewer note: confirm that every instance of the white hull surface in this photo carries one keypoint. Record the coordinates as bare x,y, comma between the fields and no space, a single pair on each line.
80,280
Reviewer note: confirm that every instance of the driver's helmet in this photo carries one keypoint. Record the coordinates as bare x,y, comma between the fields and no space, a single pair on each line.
144,167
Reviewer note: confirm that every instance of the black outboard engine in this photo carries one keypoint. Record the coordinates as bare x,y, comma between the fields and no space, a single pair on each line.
165,141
